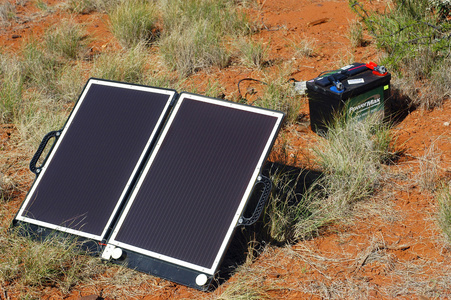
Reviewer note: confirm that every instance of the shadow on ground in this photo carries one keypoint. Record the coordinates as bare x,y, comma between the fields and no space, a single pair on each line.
249,241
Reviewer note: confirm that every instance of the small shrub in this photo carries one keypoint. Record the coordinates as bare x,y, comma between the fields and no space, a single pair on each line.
415,36
133,22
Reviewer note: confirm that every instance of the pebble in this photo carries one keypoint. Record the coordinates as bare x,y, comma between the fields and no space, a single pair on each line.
446,123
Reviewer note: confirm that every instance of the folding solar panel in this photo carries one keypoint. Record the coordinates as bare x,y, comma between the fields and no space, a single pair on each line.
86,176
156,180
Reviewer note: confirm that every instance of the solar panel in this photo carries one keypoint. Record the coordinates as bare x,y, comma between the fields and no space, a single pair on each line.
95,158
159,181
195,185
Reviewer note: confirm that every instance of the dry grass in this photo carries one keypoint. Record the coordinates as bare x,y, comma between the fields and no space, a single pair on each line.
253,54
7,12
128,65
355,33
303,47
133,22
67,40
11,88
443,196
350,157
195,33
279,94
87,6
427,177
430,280
31,265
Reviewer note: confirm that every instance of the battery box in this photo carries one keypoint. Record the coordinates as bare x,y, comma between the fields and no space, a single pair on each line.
356,90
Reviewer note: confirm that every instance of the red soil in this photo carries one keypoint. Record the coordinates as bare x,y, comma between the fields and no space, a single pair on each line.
391,248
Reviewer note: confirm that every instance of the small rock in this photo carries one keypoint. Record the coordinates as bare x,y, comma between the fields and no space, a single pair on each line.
446,123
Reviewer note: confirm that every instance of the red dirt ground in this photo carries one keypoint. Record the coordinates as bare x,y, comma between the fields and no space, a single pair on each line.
392,248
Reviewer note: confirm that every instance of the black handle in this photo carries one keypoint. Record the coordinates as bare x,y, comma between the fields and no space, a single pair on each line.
37,155
261,202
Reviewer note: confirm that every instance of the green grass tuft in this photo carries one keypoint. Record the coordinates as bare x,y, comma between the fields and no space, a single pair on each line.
351,157
196,33
128,65
253,54
11,88
133,22
67,40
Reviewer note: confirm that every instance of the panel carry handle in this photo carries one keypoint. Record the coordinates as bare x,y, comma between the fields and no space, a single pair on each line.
37,155
260,204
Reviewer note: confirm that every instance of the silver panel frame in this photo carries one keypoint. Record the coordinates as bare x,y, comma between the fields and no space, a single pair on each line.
92,81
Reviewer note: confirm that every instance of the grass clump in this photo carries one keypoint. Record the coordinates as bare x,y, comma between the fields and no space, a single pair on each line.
356,34
188,50
40,67
7,13
29,266
43,62
303,47
280,95
350,170
295,210
443,196
11,88
351,157
428,177
66,40
128,65
195,33
253,54
133,22
415,36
